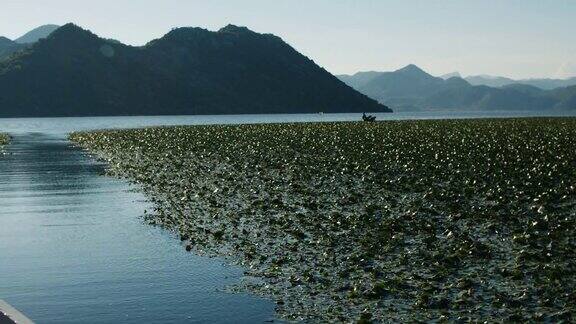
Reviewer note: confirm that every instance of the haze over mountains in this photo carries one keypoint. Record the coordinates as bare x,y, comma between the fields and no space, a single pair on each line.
498,82
73,72
545,84
411,88
36,34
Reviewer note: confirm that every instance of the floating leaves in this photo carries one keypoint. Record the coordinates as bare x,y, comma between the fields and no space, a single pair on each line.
4,139
387,221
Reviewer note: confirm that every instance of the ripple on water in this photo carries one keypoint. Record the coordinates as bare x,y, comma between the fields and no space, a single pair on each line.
74,249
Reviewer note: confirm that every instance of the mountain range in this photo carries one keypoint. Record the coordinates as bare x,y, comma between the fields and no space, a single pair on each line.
36,34
411,88
496,81
73,72
8,46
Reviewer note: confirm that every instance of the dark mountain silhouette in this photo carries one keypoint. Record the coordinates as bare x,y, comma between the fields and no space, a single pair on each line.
36,34
410,88
188,71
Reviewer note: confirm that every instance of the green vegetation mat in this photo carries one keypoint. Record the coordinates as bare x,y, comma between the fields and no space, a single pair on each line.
389,221
4,139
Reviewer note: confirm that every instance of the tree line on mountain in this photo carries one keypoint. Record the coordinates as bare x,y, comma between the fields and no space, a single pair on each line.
70,71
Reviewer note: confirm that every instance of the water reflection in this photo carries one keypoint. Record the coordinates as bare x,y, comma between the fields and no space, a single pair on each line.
73,248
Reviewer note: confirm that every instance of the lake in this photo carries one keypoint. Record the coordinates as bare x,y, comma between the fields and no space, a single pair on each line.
74,248
68,124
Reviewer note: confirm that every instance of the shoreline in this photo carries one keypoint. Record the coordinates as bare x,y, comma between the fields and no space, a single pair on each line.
122,264
383,221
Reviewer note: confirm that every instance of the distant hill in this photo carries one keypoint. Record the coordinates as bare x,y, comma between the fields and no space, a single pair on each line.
566,97
7,47
411,88
359,79
545,84
36,34
491,81
73,72
402,88
451,75
524,88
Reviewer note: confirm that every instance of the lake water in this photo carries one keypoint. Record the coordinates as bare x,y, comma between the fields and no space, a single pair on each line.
74,249
65,125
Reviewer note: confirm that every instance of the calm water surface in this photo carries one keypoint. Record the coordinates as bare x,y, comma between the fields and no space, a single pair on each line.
74,249
65,125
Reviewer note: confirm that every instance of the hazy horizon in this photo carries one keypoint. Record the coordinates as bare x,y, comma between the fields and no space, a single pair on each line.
516,39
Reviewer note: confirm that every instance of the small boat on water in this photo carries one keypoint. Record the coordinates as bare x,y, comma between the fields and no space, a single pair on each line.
368,118
10,315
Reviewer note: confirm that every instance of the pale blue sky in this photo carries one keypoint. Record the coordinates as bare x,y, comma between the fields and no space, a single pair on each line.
516,38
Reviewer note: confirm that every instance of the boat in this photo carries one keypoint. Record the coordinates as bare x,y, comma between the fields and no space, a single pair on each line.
10,315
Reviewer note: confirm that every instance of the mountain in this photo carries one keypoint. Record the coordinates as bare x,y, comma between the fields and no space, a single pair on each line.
545,84
359,79
451,75
402,88
36,34
486,98
411,88
549,84
524,88
566,97
498,82
8,47
188,71
488,80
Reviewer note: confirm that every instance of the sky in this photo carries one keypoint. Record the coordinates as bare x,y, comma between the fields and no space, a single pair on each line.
513,38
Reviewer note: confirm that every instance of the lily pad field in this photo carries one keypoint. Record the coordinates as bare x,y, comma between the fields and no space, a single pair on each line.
4,139
452,220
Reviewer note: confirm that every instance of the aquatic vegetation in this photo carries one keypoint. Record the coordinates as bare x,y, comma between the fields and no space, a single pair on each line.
4,139
386,221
